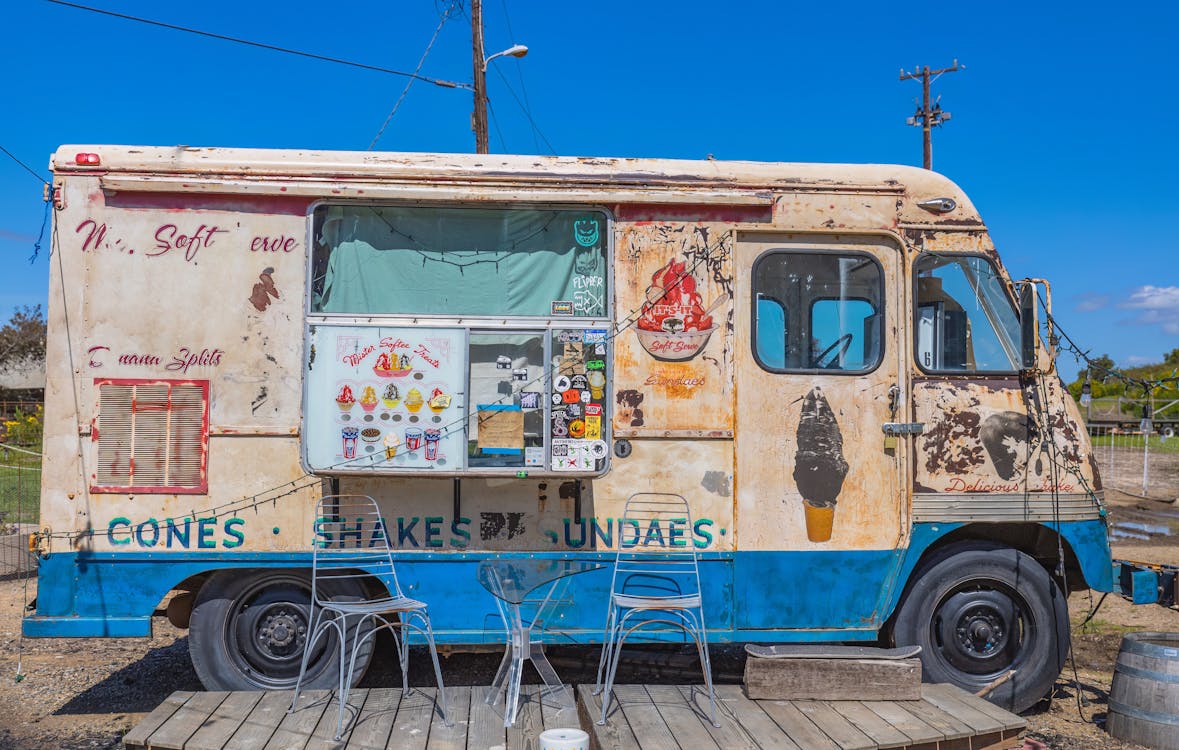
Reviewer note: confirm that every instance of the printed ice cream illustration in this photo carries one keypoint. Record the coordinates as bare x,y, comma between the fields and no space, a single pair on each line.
389,365
348,435
413,438
438,401
392,443
368,401
674,325
344,399
391,397
819,465
413,400
432,437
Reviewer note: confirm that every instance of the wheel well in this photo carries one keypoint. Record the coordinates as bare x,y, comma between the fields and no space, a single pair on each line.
1035,540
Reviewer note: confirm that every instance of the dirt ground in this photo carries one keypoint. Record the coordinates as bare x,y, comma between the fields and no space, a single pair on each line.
86,693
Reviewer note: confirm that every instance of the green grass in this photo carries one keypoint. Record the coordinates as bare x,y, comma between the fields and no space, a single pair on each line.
20,487
1157,443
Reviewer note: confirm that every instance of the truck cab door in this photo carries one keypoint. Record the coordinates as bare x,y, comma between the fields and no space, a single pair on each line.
820,509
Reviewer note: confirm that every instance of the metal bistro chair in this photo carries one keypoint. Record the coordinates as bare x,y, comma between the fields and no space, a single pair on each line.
656,583
350,546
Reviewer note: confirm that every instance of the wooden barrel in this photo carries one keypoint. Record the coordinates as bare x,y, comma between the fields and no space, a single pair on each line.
1144,698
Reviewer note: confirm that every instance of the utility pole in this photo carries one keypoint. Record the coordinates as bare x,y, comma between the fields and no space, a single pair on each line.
926,115
479,117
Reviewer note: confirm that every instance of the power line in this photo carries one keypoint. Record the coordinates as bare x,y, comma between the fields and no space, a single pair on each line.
519,69
28,169
273,48
441,22
535,127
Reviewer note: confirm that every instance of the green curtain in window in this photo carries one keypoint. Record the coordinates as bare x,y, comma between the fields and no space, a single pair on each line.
459,261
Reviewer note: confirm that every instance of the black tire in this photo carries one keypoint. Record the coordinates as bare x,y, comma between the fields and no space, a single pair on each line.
248,630
979,610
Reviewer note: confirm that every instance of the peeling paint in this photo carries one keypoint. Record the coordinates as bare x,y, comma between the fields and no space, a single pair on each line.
718,483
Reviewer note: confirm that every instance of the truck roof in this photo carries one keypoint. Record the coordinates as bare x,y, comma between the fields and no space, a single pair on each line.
600,178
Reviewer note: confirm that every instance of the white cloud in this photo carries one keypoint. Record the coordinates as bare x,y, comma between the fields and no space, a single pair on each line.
1091,301
1137,359
1159,305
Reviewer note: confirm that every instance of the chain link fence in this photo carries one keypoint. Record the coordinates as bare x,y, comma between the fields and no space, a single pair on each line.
20,500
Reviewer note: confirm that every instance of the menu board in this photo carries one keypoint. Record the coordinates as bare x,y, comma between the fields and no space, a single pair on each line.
384,399
578,394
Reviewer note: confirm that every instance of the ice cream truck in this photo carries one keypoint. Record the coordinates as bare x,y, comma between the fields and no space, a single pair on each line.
828,362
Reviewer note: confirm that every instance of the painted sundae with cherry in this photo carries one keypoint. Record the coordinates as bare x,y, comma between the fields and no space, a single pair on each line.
389,365
673,324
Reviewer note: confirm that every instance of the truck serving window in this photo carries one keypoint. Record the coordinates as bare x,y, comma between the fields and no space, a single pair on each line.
153,436
817,311
411,260
458,340
965,320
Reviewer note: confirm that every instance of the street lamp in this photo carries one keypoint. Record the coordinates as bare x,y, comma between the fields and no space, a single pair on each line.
516,50
479,118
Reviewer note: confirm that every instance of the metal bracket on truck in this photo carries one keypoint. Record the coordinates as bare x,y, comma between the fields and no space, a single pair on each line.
1147,583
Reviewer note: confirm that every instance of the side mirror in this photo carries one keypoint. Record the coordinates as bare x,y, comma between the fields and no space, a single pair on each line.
1029,324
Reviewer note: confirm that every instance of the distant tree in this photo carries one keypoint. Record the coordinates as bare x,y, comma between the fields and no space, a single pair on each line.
1172,358
1101,367
23,338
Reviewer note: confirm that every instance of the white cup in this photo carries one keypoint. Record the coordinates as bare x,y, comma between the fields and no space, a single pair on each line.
564,739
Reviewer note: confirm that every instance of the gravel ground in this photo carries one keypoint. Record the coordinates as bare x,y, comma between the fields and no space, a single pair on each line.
86,693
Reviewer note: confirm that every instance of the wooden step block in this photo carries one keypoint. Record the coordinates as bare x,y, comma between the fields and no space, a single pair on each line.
833,679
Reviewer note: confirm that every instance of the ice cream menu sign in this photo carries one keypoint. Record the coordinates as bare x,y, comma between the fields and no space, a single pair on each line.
385,399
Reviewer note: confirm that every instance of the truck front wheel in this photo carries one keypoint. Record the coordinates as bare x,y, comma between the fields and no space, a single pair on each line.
248,630
979,610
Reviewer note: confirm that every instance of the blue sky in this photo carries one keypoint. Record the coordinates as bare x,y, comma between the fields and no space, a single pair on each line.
1063,129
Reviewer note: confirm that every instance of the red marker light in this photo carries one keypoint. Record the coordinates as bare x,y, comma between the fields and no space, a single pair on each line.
87,159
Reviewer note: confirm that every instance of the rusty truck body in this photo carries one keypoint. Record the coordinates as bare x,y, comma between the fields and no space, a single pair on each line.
829,362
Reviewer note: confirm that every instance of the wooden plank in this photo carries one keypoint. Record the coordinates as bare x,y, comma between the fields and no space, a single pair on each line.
258,727
137,737
215,732
529,721
945,692
938,719
686,724
885,735
371,730
903,721
296,727
453,737
833,679
186,721
554,715
839,729
615,734
797,726
979,722
486,722
644,718
747,718
323,736
730,735
411,730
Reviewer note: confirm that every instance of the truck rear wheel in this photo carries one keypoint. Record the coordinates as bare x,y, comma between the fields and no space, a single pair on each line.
248,630
979,610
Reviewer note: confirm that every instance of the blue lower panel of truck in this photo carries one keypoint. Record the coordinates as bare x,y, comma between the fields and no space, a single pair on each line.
749,596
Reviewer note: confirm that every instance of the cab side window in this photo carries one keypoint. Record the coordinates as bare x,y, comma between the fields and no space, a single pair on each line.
965,320
817,311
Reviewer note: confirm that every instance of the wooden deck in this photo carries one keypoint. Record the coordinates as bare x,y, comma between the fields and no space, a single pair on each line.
259,721
646,717
665,716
